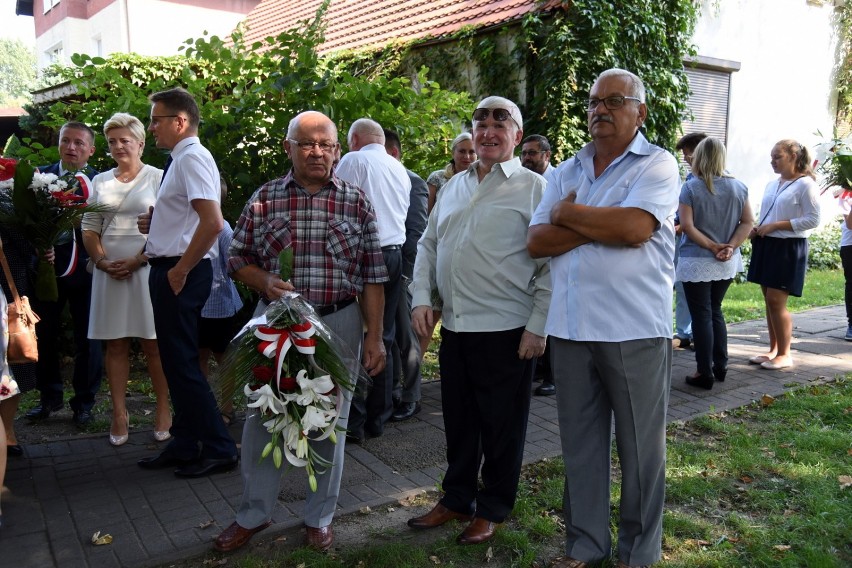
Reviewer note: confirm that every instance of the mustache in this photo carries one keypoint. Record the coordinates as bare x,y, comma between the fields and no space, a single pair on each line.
602,118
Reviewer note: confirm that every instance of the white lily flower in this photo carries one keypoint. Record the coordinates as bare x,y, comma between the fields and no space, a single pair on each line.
316,419
265,399
313,389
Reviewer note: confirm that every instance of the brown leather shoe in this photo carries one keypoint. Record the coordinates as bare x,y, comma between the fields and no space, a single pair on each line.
437,517
236,536
479,530
320,538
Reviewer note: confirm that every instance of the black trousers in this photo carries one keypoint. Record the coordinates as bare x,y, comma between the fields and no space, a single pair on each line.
372,407
485,397
708,324
196,418
75,290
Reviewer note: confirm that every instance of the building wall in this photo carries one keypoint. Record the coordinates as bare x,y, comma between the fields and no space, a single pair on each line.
784,88
147,27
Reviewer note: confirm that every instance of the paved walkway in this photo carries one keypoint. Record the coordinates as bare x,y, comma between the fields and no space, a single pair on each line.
62,492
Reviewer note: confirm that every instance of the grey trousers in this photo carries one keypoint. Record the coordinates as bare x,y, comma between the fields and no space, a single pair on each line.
594,381
262,480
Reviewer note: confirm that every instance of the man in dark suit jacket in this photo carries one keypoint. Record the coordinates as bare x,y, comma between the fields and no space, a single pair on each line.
406,348
76,146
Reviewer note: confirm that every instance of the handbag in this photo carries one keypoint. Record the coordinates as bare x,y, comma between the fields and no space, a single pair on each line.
22,347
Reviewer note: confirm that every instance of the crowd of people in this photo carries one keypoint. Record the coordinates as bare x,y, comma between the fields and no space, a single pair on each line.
507,250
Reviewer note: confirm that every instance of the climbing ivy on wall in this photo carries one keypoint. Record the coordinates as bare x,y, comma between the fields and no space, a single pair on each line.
549,61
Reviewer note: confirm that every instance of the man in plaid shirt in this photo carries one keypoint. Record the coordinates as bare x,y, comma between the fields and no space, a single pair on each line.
331,228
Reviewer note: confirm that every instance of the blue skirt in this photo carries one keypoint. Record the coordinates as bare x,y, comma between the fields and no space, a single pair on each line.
779,263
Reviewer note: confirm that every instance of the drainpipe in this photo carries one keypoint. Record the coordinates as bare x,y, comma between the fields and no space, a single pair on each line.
127,22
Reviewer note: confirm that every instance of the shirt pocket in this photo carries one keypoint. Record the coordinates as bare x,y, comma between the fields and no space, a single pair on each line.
275,236
343,241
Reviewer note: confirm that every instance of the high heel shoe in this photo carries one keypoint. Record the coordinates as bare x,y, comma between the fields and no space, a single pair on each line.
162,436
120,440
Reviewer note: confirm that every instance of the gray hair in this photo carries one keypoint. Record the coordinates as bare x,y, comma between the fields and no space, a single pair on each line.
293,126
366,127
637,87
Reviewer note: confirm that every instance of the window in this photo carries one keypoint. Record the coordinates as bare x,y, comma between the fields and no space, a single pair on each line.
48,4
55,54
710,94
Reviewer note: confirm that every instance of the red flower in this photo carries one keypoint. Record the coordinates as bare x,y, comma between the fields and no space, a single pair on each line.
263,374
287,384
4,390
7,168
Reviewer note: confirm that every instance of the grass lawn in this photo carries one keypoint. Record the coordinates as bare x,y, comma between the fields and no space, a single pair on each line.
744,301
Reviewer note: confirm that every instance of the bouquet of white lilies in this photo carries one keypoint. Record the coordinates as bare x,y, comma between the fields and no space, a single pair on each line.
295,370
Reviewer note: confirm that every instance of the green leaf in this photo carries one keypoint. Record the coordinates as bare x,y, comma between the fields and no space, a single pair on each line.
285,264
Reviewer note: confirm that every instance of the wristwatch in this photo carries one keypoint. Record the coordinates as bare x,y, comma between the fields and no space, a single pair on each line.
142,260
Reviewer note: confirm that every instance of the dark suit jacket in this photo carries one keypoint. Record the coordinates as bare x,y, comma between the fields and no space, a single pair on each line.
65,251
415,222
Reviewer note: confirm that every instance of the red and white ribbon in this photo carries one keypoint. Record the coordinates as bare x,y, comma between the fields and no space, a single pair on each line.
276,342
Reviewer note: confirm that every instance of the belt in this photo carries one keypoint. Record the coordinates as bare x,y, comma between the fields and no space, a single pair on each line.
331,308
392,247
163,260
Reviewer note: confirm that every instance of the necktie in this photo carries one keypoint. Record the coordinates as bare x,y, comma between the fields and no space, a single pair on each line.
166,169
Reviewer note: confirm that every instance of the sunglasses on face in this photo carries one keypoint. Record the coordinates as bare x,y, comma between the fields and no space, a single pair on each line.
499,114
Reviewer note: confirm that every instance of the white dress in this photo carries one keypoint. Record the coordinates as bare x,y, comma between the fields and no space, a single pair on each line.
122,308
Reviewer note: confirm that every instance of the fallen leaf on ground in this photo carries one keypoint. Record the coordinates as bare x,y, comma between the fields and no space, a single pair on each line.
98,539
489,554
205,524
782,547
391,509
365,510
435,559
767,400
746,479
845,481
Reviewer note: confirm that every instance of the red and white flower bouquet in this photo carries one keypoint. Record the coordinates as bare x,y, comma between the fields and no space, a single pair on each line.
295,371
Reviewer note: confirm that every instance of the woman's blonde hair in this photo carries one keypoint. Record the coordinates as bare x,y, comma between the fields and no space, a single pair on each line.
450,170
803,161
128,121
708,161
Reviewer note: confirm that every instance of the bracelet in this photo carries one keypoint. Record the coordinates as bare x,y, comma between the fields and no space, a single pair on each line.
97,262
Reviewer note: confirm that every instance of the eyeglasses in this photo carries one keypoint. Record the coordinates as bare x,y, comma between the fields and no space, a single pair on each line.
531,152
611,103
155,118
308,146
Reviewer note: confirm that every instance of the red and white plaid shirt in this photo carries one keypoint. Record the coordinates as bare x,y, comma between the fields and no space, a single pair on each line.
332,233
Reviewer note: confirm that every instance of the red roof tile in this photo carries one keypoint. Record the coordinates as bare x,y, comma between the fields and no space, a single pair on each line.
354,24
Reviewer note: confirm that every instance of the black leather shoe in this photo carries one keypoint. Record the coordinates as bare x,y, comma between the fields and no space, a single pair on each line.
82,418
207,466
404,411
164,460
42,411
355,436
545,389
700,381
720,374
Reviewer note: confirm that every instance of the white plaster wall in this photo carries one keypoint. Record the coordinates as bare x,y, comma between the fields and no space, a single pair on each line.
155,28
160,28
784,88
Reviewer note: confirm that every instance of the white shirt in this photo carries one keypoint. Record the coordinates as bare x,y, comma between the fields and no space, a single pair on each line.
387,185
615,293
192,175
474,252
844,200
549,174
796,201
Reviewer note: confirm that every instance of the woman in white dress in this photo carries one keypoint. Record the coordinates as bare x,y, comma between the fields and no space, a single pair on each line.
121,302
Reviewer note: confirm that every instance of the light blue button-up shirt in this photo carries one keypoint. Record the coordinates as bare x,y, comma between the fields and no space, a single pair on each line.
615,293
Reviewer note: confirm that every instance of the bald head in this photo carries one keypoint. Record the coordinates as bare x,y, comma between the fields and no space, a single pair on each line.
365,131
312,117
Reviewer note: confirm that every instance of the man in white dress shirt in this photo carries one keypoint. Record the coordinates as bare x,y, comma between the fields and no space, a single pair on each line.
495,301
387,185
607,224
182,231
